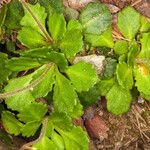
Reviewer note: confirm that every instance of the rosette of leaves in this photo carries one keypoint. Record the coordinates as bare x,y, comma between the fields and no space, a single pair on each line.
50,43
132,69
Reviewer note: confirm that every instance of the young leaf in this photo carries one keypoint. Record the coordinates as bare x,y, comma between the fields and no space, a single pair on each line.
57,26
104,39
118,100
44,144
72,43
124,75
10,123
30,128
82,75
22,63
33,112
145,24
65,97
74,137
95,18
129,22
4,71
121,47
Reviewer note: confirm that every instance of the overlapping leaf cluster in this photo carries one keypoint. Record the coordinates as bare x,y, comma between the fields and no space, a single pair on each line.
42,74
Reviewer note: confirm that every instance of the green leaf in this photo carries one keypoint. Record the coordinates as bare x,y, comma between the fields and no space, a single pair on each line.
30,128
2,16
72,43
5,72
142,77
82,75
95,18
46,85
31,38
145,50
124,75
76,139
33,112
104,39
44,144
105,86
21,99
133,52
34,26
121,47
74,25
65,97
90,97
118,100
59,59
110,68
145,24
14,15
58,120
22,63
58,141
129,22
36,52
57,26
34,17
10,123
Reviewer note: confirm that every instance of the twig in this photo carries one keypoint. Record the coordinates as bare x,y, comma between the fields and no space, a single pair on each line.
135,3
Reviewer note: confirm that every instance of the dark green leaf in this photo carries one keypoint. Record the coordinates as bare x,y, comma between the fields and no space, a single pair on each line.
95,18
90,97
14,15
